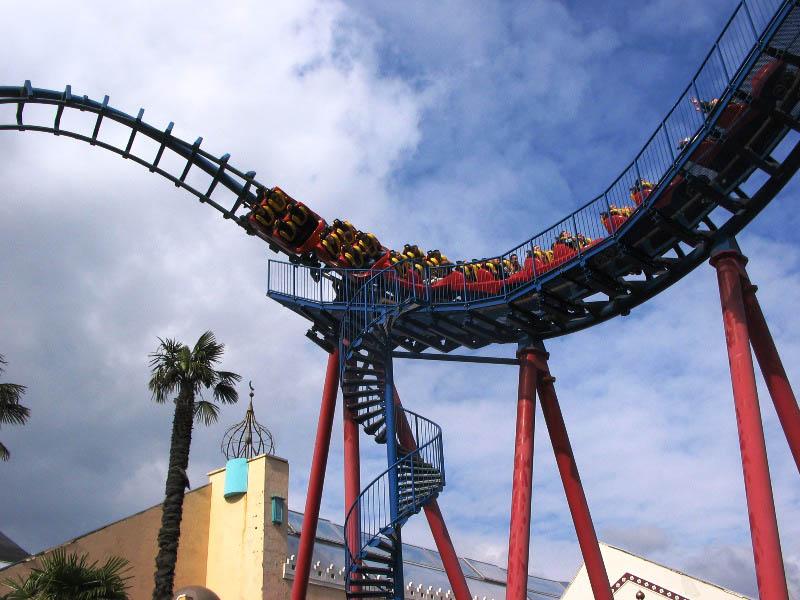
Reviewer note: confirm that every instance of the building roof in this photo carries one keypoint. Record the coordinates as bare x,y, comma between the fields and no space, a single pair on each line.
423,570
9,551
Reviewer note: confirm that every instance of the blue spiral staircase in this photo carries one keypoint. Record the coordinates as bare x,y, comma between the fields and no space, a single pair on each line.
415,472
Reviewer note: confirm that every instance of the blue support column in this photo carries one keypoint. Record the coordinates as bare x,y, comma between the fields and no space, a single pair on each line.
391,455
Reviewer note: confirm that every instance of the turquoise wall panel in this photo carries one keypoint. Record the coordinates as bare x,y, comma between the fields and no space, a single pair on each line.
235,477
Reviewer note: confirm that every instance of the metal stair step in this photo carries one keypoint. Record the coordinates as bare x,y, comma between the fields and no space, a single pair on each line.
356,406
375,557
404,469
380,437
361,381
419,482
360,393
385,545
369,582
370,594
367,570
419,490
360,418
373,427
363,371
409,491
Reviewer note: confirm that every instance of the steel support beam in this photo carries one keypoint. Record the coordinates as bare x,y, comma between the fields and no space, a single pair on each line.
441,536
520,530
317,478
770,573
769,361
352,480
576,498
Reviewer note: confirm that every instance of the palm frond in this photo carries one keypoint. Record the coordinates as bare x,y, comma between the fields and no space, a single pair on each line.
13,413
11,392
225,393
205,412
4,453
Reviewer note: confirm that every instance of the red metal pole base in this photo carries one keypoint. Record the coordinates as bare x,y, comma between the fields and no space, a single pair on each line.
772,369
441,536
520,530
770,573
352,477
576,498
317,478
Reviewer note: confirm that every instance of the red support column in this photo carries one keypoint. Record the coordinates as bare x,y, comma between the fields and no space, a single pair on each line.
568,468
520,531
352,478
772,369
770,573
317,478
441,536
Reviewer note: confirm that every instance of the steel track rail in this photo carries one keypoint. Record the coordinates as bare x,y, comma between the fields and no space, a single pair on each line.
598,284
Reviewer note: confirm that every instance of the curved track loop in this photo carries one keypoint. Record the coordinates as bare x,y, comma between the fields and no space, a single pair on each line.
680,198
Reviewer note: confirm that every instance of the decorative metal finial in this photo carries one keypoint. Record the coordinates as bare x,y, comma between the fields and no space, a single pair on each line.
248,438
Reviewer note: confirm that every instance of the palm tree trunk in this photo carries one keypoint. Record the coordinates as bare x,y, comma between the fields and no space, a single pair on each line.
169,534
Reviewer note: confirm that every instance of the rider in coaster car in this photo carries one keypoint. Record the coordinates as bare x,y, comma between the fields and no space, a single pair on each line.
643,186
583,241
433,258
369,244
332,243
278,200
264,215
565,238
412,251
542,255
287,230
344,231
704,106
352,256
623,211
397,260
473,268
488,265
299,214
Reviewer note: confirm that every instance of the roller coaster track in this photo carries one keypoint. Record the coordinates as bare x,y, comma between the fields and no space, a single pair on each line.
694,166
680,199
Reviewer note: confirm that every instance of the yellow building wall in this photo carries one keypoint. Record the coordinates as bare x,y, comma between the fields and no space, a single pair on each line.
134,539
246,551
230,545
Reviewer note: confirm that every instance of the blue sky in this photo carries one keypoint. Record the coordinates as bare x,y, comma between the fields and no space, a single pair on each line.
461,126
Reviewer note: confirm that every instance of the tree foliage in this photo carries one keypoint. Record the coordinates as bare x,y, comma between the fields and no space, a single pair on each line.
63,576
181,373
11,411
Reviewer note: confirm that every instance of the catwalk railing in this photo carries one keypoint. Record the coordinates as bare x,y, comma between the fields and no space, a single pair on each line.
713,105
686,144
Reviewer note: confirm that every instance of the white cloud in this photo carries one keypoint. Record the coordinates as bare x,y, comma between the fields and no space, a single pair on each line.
465,129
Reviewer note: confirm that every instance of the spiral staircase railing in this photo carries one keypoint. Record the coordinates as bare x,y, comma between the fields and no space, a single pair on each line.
369,520
415,472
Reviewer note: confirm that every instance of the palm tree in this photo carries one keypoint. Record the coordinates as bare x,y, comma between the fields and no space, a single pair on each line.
176,369
63,576
11,411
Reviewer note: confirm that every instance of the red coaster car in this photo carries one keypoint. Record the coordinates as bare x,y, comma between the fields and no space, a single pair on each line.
485,283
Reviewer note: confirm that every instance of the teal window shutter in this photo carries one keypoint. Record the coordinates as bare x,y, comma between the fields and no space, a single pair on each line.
277,510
